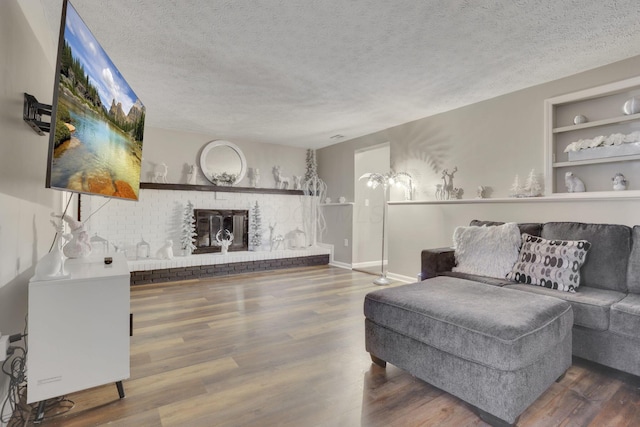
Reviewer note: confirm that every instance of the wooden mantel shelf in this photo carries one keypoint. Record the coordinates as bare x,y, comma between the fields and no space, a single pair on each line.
223,189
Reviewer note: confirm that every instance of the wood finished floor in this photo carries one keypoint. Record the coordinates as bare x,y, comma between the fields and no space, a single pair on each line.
286,348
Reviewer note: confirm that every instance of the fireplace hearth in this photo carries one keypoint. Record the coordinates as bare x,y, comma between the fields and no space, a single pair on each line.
210,221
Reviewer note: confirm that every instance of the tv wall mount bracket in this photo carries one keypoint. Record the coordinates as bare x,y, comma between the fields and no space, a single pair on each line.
33,112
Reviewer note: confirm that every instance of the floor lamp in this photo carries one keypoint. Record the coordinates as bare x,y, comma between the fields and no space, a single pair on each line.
385,180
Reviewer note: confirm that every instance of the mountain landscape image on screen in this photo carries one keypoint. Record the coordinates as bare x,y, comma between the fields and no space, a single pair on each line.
99,122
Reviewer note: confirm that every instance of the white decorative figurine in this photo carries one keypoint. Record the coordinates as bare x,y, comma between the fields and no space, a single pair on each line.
516,189
447,183
573,183
619,182
166,251
254,178
51,266
160,173
78,244
481,192
224,243
192,177
532,187
282,182
579,119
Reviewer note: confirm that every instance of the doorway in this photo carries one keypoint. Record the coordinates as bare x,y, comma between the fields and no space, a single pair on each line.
368,208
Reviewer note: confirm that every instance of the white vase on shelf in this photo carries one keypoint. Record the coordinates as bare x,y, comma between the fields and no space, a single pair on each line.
632,106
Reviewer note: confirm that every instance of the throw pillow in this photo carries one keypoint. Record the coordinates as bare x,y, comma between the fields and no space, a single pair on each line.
554,264
486,251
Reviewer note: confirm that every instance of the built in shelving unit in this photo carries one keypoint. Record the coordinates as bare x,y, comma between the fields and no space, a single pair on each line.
603,107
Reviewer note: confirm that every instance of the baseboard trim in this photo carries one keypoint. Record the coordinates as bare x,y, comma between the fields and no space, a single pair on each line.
339,264
332,260
367,264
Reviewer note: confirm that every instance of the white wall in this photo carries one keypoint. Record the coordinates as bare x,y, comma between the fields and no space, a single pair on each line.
338,218
179,149
25,204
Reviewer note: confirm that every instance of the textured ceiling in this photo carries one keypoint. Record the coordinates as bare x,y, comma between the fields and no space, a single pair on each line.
299,72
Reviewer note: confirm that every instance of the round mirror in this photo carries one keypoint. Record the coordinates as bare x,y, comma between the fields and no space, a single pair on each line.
223,163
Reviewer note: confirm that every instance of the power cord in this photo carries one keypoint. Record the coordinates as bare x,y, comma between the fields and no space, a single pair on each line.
20,413
14,366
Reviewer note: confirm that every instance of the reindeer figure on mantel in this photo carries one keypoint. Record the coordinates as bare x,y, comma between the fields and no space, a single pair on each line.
282,182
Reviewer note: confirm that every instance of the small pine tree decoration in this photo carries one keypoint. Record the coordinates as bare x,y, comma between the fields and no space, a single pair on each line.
188,229
516,187
256,227
312,166
532,186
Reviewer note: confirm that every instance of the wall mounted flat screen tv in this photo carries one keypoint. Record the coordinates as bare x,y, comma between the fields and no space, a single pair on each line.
95,143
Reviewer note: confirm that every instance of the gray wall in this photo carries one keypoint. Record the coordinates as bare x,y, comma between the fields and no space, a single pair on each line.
339,227
179,149
25,204
490,142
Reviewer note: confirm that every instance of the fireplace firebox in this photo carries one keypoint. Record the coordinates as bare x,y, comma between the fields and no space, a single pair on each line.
210,221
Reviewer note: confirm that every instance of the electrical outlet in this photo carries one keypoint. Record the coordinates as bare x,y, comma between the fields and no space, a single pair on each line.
4,347
346,242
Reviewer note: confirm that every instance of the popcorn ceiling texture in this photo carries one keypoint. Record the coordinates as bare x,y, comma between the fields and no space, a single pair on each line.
297,73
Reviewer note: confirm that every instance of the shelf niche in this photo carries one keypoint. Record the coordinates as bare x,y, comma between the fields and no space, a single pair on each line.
602,106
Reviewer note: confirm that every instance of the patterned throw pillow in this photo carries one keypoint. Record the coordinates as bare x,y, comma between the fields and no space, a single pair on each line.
554,264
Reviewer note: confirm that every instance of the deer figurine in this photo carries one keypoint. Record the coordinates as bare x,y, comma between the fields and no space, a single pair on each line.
282,182
224,243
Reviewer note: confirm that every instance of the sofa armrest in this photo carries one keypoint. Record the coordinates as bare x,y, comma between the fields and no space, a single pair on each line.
436,261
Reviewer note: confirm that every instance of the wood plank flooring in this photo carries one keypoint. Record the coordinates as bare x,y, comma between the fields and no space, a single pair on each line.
286,348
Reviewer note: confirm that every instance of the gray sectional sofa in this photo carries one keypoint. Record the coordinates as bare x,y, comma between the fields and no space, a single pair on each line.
606,306
499,344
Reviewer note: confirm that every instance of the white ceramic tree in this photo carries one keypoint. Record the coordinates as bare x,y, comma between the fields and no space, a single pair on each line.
516,187
188,229
532,187
256,227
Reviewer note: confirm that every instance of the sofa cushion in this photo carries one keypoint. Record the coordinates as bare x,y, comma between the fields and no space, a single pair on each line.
485,324
633,272
591,306
533,228
606,264
487,251
625,316
553,264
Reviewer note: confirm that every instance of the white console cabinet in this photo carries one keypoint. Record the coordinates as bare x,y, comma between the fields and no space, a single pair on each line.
79,329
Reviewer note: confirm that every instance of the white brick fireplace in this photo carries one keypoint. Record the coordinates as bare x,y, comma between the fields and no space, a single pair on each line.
158,216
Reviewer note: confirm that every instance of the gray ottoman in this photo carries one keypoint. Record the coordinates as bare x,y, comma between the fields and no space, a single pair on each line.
497,349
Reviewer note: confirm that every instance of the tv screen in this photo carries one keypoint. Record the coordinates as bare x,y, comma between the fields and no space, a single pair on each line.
95,143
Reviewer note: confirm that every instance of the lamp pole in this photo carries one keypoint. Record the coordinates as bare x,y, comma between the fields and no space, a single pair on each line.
373,180
382,280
